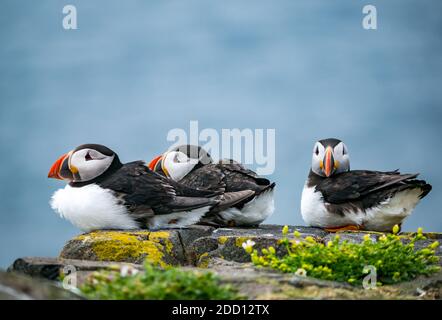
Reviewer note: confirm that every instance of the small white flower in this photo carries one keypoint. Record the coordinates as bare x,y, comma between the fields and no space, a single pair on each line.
248,245
128,271
301,272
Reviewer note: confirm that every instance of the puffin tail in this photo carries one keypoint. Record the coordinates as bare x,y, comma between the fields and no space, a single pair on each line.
412,182
269,187
424,186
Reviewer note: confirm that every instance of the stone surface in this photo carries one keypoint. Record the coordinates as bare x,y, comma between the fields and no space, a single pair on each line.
226,243
220,251
20,287
353,237
53,268
47,268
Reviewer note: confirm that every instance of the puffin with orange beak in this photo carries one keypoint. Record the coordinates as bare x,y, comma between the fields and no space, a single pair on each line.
338,199
103,193
193,166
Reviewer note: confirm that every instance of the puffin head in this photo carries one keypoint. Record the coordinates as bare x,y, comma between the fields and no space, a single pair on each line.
330,156
84,164
180,161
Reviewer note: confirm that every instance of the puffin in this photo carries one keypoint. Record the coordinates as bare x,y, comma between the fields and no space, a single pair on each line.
336,198
103,193
193,166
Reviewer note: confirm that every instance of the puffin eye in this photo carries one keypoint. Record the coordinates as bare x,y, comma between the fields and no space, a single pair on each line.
316,150
88,157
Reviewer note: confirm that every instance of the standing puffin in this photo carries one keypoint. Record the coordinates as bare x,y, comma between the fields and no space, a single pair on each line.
337,199
193,166
103,193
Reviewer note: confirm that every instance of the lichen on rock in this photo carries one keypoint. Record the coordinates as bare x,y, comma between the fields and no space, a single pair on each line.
125,246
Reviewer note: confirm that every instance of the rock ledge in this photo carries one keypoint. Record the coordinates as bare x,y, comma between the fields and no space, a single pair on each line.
220,251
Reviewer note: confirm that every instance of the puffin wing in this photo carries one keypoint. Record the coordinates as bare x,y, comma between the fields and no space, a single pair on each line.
144,189
233,165
208,177
354,185
212,178
240,178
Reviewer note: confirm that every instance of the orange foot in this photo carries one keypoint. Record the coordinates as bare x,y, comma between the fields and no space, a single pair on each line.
344,228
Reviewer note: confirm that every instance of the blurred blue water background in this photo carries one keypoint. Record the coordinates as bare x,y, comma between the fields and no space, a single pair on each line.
136,69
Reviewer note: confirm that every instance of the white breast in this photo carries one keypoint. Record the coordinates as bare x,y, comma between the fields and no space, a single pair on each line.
315,213
254,212
90,208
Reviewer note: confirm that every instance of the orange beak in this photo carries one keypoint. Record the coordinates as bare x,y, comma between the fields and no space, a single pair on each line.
152,165
328,162
54,172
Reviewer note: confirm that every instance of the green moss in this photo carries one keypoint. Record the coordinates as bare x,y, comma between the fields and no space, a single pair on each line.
126,246
158,284
344,261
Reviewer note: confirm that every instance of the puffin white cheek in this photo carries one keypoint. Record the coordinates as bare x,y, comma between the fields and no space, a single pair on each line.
343,164
177,170
89,170
316,167
182,158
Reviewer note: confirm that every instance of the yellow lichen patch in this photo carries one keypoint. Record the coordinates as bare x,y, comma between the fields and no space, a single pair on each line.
222,240
240,240
203,261
162,237
127,246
